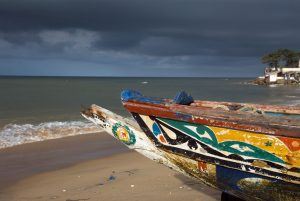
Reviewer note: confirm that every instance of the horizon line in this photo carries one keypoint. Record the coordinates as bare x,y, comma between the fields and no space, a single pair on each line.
86,76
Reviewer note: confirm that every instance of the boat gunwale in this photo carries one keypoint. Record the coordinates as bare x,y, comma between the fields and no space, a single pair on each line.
185,113
284,109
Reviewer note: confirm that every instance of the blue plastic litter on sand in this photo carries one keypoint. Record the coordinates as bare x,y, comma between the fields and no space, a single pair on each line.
111,178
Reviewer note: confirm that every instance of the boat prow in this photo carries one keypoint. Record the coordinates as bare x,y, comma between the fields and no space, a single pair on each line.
246,150
251,151
127,131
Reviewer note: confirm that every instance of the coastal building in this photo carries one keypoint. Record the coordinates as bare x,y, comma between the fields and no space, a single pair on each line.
282,75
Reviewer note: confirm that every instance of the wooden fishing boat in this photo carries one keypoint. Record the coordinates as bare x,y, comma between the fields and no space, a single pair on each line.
248,151
125,130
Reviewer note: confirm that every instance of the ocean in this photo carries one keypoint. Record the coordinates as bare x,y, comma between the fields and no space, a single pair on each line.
40,108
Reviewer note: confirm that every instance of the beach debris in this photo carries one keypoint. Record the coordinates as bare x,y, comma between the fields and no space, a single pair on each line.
63,190
132,185
181,187
129,172
111,178
77,199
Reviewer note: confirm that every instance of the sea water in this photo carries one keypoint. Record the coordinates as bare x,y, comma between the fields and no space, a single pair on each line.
40,108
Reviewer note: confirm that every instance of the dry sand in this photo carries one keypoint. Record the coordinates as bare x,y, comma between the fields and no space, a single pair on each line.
90,175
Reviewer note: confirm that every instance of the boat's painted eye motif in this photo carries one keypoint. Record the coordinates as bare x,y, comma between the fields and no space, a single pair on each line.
123,133
156,129
157,133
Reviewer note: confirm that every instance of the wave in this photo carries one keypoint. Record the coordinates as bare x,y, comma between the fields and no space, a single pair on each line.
15,134
294,102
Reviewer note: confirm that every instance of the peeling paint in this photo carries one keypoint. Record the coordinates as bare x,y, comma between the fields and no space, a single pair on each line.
246,163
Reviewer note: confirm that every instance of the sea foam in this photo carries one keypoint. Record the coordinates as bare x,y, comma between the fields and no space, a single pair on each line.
15,134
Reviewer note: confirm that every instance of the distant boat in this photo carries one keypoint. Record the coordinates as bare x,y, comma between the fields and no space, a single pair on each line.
144,82
248,151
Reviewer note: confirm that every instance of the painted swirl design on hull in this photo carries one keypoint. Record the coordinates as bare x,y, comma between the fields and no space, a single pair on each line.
255,153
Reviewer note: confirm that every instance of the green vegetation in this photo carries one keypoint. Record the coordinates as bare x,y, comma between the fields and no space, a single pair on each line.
282,58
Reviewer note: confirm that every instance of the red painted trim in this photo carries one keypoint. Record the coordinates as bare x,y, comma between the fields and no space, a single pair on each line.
187,113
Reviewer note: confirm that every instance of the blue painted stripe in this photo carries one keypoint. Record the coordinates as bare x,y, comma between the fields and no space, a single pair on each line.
230,177
276,114
129,95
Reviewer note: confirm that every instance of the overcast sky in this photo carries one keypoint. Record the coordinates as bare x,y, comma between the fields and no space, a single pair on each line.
144,38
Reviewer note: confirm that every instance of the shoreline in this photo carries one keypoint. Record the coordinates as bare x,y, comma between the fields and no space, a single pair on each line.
90,167
28,159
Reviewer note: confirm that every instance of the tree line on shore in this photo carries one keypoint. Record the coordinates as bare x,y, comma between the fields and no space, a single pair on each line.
282,58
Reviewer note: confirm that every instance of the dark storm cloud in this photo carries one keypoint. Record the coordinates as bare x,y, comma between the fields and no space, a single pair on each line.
170,30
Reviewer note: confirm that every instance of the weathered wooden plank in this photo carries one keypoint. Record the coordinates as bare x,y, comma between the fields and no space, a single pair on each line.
235,120
237,106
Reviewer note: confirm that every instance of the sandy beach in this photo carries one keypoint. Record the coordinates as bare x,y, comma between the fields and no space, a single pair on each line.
90,167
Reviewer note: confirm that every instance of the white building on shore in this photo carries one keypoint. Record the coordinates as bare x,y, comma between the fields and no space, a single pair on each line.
282,75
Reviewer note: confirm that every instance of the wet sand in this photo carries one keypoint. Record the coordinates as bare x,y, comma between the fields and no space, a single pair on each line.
28,159
90,167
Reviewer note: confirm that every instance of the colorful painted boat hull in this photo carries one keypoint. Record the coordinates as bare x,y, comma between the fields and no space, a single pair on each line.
126,131
251,159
